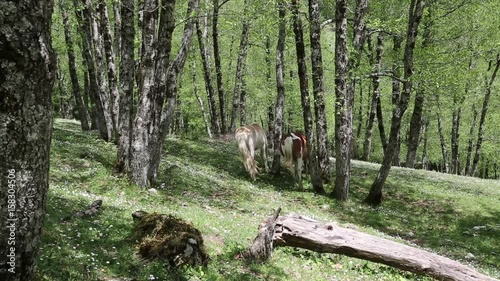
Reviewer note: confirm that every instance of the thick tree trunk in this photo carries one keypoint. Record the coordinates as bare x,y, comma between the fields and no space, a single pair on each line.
343,128
238,92
28,70
318,90
468,166
102,83
306,233
415,126
415,14
114,98
280,87
218,69
313,165
83,112
482,118
207,74
444,150
367,145
380,123
144,122
127,72
117,43
270,107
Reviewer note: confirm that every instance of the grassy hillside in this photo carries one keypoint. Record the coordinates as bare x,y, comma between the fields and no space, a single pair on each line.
204,182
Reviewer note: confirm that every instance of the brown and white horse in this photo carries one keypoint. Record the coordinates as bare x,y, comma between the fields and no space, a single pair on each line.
294,150
251,138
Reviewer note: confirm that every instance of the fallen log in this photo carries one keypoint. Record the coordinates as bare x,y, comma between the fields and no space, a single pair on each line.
306,233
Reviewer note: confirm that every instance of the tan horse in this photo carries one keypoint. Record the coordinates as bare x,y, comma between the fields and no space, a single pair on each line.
251,138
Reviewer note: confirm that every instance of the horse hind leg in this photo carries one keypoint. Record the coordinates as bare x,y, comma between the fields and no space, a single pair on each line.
299,163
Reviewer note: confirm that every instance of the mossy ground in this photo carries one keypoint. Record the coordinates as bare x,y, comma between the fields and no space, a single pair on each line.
203,181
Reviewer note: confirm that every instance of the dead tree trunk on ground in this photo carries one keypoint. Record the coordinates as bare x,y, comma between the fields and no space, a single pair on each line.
298,231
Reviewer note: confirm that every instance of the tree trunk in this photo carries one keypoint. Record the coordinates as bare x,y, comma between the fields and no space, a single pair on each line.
98,115
127,73
367,146
142,134
482,118
468,166
313,165
415,14
444,150
455,137
306,233
280,87
270,107
380,123
207,74
174,70
425,129
238,92
83,113
318,90
102,83
218,69
114,101
117,43
200,101
28,71
342,117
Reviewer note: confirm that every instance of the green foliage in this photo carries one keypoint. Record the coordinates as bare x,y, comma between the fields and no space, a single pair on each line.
204,183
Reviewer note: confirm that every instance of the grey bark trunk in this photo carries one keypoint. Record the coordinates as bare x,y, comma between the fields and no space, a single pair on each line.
207,74
318,90
28,70
304,93
482,118
444,150
238,92
470,145
415,14
114,97
102,83
367,145
200,101
280,87
343,128
218,69
144,122
83,112
455,137
127,73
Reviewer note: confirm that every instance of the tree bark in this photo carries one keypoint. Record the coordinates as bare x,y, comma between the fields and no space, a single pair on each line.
482,118
117,43
306,233
84,26
238,93
468,166
367,145
142,134
83,112
127,73
280,87
102,83
114,98
27,75
415,14
218,69
318,90
313,165
455,136
200,101
343,128
444,150
207,73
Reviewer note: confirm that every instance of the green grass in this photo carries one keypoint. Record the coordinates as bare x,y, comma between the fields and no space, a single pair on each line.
204,182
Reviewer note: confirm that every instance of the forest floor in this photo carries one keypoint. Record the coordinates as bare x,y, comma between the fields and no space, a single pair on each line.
203,181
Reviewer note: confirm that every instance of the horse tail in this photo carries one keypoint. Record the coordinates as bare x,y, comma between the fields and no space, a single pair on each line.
246,154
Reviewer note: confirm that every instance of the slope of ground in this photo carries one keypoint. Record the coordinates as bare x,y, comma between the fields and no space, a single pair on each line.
204,182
